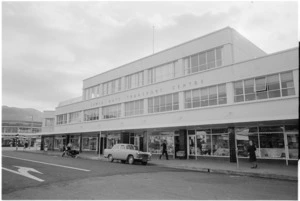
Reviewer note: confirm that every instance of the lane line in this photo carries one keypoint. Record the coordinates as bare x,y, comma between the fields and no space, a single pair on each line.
74,168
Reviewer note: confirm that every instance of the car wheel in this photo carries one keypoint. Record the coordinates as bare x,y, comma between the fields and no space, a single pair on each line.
130,160
144,163
110,158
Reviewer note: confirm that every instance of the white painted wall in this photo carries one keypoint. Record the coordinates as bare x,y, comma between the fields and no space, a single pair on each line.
263,110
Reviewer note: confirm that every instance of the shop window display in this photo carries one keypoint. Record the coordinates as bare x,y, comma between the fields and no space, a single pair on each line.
292,132
272,145
243,136
75,142
156,139
113,139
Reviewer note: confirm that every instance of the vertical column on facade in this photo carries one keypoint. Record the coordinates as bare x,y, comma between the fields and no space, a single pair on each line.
179,67
145,106
145,77
80,144
81,116
122,110
181,100
296,79
100,113
229,92
68,117
122,83
286,146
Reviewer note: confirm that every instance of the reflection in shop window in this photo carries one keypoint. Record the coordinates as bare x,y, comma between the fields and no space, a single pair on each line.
272,145
243,136
156,139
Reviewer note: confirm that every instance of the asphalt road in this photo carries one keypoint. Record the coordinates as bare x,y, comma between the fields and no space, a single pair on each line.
67,178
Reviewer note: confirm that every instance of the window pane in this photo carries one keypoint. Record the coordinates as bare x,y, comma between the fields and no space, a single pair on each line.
187,65
273,82
175,101
260,84
204,97
274,94
211,59
239,98
219,56
202,61
196,97
249,86
293,144
194,63
213,95
249,97
156,104
288,92
261,95
188,99
169,102
287,80
238,88
162,103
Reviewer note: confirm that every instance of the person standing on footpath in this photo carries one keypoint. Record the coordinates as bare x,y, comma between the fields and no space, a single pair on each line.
164,150
252,156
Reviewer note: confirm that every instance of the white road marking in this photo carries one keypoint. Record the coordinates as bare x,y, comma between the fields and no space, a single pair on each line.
74,168
24,172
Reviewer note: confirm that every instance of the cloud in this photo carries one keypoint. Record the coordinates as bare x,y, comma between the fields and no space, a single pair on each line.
50,47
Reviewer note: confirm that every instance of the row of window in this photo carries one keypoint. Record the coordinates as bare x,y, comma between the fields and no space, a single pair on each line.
134,80
20,130
134,108
271,86
203,61
213,95
163,103
164,72
192,64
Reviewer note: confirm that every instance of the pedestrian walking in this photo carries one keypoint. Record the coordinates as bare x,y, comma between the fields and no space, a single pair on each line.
164,150
252,156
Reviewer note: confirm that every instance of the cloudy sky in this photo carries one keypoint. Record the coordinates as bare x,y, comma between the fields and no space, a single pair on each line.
48,48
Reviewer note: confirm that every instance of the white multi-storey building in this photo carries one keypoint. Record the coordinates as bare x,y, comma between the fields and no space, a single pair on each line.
199,96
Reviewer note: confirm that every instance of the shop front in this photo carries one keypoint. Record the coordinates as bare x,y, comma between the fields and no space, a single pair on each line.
89,143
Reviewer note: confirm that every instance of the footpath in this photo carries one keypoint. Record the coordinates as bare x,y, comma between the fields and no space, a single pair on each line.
208,165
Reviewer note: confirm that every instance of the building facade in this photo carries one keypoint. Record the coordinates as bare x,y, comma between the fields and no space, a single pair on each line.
196,96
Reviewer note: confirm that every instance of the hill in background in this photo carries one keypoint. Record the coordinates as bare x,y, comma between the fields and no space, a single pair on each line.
20,114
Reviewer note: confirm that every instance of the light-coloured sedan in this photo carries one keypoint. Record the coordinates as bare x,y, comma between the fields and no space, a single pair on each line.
126,153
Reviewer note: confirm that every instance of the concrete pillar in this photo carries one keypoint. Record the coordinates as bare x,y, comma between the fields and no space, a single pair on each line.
123,83
181,100
145,77
179,69
100,113
122,110
145,105
230,93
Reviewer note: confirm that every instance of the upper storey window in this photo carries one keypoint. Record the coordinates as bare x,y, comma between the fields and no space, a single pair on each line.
61,119
92,92
74,117
270,86
111,87
134,80
91,114
203,61
49,122
161,73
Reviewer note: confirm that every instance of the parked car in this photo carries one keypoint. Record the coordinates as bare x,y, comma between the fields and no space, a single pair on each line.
126,153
